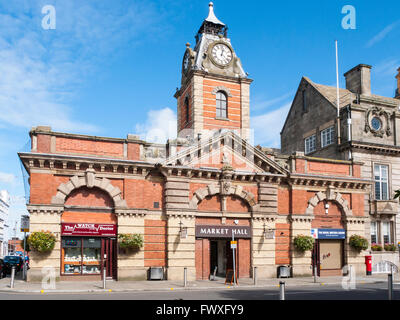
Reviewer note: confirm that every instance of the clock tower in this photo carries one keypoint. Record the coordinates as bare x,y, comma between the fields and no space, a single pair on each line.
215,89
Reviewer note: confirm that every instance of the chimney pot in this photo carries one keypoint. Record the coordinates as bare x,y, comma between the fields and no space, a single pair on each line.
358,79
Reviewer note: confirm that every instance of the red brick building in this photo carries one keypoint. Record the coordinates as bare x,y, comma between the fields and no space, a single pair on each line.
188,197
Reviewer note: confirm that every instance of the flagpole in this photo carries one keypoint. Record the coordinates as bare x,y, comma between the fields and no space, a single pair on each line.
337,95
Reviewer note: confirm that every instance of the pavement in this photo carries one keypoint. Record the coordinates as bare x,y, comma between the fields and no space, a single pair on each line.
167,285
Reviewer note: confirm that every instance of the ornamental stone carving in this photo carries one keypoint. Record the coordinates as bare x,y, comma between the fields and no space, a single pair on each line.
329,195
383,117
212,190
89,181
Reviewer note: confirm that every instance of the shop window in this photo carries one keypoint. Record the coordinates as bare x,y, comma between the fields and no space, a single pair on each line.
72,252
81,256
91,256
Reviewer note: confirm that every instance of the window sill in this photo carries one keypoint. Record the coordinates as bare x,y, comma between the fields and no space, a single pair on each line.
223,119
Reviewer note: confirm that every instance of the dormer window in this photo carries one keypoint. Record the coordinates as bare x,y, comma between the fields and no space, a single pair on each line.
222,102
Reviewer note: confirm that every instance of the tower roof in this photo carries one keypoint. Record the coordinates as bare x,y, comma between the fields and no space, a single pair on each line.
211,15
212,25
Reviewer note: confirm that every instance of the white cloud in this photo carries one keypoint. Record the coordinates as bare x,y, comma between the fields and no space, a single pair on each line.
267,127
260,105
160,126
387,68
382,35
41,70
7,178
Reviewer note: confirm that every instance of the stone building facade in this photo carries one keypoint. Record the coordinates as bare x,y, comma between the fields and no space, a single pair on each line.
189,197
366,131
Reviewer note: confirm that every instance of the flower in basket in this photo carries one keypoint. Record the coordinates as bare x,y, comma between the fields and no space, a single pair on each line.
390,247
376,247
41,241
130,241
358,243
303,243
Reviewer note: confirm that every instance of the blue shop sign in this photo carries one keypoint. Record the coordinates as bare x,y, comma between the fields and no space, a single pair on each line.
328,233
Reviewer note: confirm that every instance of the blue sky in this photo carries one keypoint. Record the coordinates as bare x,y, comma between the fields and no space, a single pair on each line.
111,67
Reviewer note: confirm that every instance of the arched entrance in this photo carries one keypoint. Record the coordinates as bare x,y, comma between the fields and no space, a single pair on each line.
88,228
222,217
328,229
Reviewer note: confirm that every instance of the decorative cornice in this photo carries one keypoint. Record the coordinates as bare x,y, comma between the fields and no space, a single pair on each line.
301,218
45,209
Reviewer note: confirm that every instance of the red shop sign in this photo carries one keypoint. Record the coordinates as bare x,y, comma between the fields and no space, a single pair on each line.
88,229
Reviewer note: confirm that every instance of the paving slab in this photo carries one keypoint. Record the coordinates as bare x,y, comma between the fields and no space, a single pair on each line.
218,284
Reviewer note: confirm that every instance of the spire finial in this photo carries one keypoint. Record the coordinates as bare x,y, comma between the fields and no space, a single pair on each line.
211,15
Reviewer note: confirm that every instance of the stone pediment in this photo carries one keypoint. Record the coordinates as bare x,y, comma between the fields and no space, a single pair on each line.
384,207
225,149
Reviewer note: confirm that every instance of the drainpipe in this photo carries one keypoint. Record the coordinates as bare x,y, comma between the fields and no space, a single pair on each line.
349,137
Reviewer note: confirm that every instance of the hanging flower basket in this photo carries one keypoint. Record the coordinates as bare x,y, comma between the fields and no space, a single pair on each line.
130,241
303,243
358,243
41,241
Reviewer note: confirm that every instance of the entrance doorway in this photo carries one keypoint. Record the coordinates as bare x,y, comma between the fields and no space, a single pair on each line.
328,257
221,257
109,252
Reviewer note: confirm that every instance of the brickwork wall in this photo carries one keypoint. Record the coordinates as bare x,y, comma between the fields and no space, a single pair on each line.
233,106
89,198
144,193
282,243
44,187
331,220
98,148
155,233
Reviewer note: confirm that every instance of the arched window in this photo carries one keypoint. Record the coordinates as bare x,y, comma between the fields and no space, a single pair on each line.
187,109
222,102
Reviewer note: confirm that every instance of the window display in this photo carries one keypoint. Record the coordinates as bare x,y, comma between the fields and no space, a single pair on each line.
81,256
91,256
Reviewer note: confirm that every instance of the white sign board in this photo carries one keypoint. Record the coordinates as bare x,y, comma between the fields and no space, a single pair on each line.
24,223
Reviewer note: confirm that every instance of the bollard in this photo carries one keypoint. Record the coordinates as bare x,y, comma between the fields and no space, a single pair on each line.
185,277
12,277
390,286
315,273
104,277
255,276
351,273
282,290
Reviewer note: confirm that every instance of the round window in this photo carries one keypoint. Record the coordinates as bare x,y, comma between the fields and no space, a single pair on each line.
376,123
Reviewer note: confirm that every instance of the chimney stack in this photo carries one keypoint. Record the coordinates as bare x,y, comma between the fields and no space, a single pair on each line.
358,79
397,95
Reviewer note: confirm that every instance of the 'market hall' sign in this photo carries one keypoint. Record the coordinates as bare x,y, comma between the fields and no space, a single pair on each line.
223,231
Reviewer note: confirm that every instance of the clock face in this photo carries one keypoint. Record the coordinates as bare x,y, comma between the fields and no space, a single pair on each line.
221,54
